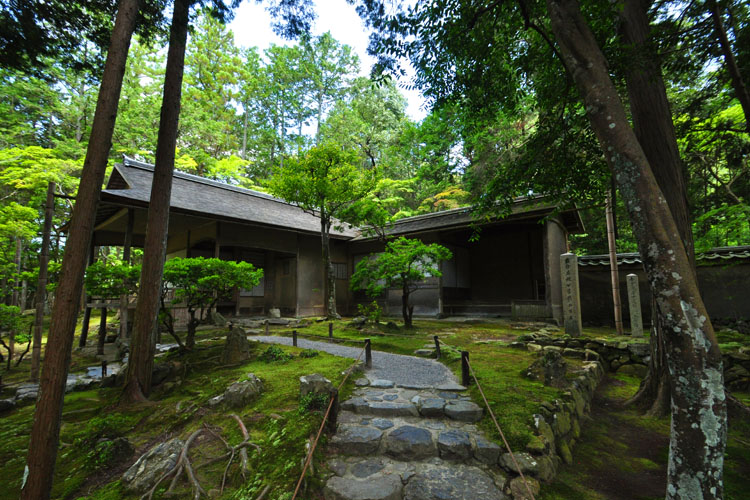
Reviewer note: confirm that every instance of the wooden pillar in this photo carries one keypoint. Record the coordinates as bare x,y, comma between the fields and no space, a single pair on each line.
555,244
86,300
614,274
124,333
41,286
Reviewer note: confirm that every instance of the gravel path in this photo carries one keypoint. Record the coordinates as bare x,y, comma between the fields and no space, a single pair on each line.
405,371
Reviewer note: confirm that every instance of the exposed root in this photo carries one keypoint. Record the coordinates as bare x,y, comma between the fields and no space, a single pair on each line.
263,493
232,452
182,464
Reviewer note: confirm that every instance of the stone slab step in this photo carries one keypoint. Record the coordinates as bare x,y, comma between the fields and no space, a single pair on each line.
399,402
376,478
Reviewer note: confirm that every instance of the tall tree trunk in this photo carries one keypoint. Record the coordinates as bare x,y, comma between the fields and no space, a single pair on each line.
138,381
698,436
405,311
614,274
15,296
652,122
738,84
41,285
329,279
45,430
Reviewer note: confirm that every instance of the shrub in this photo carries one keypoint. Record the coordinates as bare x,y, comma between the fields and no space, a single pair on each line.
313,402
275,354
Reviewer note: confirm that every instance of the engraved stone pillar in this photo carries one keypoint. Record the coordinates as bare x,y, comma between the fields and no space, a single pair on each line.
634,301
571,298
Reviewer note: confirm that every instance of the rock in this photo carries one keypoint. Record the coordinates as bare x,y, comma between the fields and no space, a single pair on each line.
142,475
278,321
531,347
425,353
241,393
7,405
561,424
356,440
108,381
215,401
391,409
537,445
454,445
526,462
236,347
385,487
634,370
274,312
448,483
381,384
410,443
366,468
640,349
357,405
519,489
362,382
547,469
564,451
391,325
486,451
160,373
591,355
338,467
573,353
217,319
432,407
27,392
358,322
734,373
314,384
381,423
465,411
549,368
120,449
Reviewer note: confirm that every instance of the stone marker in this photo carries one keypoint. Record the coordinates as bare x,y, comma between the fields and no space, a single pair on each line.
634,301
571,297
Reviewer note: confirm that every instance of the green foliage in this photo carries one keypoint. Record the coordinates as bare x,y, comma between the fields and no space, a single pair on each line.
308,353
313,402
371,311
274,354
404,264
110,281
199,282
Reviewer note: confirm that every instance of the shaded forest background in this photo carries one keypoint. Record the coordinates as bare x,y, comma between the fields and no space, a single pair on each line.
244,112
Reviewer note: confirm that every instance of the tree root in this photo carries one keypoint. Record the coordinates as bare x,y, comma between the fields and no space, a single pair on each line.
232,452
182,464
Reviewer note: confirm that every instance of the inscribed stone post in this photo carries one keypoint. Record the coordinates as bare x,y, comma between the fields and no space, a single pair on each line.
571,297
634,301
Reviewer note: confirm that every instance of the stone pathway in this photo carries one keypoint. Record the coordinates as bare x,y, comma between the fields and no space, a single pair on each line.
408,433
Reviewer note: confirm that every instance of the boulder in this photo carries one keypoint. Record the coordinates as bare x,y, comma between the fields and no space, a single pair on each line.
314,384
144,473
443,482
465,411
454,445
217,319
384,487
486,451
550,368
274,312
410,443
160,373
358,322
27,392
527,463
241,393
519,489
357,440
7,405
236,348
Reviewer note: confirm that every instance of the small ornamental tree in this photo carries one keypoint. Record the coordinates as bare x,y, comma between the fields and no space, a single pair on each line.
200,283
110,282
404,264
324,182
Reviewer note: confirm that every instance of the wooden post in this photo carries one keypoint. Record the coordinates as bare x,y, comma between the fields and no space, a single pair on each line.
614,275
102,331
294,338
368,353
104,368
465,374
41,286
86,308
333,416
437,347
124,333
330,331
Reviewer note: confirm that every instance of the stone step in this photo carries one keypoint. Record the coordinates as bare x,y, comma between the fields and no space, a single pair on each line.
383,478
400,402
412,438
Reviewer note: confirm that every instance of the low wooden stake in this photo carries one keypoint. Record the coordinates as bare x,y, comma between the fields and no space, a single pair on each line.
465,375
330,331
104,368
437,347
294,338
368,353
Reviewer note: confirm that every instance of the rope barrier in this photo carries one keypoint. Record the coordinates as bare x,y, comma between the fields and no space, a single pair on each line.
322,425
497,425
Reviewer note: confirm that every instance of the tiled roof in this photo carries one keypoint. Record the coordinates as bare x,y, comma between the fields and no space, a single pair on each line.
131,182
717,254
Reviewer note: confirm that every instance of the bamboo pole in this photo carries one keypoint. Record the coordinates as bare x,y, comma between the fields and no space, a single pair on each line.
613,264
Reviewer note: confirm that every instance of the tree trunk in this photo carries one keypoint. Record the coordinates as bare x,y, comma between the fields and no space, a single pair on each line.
614,274
652,122
191,327
738,84
405,311
698,437
138,381
14,301
102,331
329,278
41,285
45,430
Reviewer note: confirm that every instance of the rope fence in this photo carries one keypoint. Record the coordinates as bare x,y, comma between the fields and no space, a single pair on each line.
333,400
467,374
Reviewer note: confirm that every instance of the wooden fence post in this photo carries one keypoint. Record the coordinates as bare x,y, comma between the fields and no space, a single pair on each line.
437,347
368,353
294,338
465,375
330,331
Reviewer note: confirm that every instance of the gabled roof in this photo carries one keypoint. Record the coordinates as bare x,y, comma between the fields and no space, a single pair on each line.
130,184
717,254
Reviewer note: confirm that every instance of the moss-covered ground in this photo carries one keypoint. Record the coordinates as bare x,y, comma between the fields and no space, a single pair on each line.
85,468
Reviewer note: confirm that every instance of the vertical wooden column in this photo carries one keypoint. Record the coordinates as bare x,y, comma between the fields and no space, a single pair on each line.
86,300
124,333
41,286
614,274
